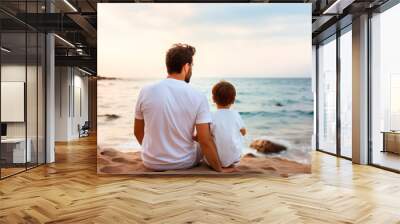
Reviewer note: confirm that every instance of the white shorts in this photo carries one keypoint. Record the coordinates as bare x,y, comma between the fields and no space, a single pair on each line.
177,166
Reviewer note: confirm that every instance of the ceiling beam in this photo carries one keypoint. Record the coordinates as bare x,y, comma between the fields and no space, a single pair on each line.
86,27
337,6
81,61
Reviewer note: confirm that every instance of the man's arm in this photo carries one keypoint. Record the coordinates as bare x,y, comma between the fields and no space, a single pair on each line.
139,130
207,146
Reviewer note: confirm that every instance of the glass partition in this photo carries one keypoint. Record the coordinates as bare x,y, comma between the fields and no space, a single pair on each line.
32,86
22,107
385,89
13,95
327,96
346,94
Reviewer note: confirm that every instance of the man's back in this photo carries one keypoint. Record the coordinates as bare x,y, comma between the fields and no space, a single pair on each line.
170,109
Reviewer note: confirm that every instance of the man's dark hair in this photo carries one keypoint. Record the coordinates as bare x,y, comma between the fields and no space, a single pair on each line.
177,56
223,93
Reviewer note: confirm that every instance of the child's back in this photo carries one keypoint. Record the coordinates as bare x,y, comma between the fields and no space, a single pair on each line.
226,128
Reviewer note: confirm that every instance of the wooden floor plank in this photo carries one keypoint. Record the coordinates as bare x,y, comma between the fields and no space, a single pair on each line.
70,191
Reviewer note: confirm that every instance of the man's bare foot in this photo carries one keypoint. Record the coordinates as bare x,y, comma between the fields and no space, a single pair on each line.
230,169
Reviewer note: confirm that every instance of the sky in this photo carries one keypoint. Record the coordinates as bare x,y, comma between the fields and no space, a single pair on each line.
231,40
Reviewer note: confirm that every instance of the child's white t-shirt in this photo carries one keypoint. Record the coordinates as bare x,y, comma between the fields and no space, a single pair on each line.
225,127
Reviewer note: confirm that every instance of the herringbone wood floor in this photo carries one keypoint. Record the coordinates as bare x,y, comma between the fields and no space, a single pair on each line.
70,191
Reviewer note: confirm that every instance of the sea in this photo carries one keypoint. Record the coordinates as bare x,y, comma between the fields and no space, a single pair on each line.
277,109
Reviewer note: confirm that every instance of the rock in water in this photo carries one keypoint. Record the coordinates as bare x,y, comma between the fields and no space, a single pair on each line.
110,117
266,146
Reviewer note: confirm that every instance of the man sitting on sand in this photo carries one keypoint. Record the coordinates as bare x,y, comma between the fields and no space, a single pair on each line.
166,114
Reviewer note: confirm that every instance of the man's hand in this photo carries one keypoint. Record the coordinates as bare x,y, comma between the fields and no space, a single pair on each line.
207,146
138,130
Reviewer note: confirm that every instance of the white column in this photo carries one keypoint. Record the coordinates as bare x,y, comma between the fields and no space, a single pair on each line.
360,90
50,99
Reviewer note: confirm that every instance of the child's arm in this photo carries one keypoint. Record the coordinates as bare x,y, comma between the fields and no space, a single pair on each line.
243,131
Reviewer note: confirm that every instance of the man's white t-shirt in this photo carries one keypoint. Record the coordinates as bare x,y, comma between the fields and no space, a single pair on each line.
225,127
170,108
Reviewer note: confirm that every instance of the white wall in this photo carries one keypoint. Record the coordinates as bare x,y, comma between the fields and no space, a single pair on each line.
12,73
62,82
81,82
71,87
33,126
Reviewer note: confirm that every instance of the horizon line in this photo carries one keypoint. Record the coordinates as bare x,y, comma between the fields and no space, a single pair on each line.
209,77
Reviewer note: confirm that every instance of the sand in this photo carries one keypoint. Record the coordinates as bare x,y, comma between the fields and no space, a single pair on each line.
112,161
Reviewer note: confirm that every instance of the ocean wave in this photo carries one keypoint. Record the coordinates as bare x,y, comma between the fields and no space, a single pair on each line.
285,101
277,113
306,113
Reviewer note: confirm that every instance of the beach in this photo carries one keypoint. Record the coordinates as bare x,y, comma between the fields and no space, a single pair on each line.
277,109
113,161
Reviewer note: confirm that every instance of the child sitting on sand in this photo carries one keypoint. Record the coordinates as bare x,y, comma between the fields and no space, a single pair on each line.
227,126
